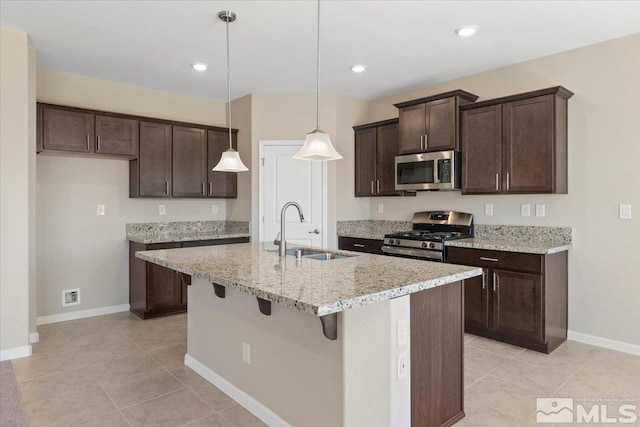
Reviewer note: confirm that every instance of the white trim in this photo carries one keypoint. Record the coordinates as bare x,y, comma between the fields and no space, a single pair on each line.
249,403
33,338
324,174
63,317
15,353
604,342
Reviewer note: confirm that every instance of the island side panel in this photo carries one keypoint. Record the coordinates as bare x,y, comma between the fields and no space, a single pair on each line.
295,372
437,336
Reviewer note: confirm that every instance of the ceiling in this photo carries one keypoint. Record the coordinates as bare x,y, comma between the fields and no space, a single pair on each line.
404,44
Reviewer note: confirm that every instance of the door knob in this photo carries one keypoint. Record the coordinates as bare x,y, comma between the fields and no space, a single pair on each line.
316,231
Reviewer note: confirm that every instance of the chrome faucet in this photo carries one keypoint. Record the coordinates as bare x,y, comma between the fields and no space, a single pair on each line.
282,243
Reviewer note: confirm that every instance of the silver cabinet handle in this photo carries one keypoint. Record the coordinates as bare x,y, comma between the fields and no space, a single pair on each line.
495,282
166,187
316,231
484,280
98,142
421,142
210,188
88,142
508,183
358,245
497,180
489,259
378,186
372,190
426,142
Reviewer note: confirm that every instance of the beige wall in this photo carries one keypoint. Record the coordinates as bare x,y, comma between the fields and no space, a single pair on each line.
240,209
604,150
16,187
77,248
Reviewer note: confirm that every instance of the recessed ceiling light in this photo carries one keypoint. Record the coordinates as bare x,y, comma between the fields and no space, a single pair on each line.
358,68
199,66
467,30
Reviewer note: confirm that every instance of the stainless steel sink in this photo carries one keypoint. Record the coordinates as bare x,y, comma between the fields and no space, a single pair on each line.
319,254
326,256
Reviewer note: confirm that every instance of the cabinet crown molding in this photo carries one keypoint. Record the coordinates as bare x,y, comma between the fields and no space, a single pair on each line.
560,91
468,96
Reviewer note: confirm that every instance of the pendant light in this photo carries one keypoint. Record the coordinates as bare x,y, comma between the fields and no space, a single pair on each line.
230,161
317,145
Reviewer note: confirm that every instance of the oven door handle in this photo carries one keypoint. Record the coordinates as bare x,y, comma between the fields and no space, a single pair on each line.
419,253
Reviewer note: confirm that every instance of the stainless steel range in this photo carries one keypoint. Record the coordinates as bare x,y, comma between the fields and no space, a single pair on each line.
430,231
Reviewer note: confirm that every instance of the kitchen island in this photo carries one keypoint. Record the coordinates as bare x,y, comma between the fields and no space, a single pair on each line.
362,340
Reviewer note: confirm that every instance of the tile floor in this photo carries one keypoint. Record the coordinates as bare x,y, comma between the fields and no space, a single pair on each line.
118,370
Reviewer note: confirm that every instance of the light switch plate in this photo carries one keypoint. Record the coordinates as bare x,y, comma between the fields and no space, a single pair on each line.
101,210
488,209
162,209
525,210
380,207
403,332
625,211
246,353
214,209
403,365
540,209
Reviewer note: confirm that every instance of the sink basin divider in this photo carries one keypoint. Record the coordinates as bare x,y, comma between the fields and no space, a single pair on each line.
219,290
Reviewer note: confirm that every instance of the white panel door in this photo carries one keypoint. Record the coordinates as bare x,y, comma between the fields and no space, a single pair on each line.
286,179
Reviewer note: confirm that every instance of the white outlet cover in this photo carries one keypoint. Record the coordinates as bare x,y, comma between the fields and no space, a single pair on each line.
380,207
540,209
101,210
246,353
525,210
403,332
488,209
69,291
214,209
403,365
625,211
162,209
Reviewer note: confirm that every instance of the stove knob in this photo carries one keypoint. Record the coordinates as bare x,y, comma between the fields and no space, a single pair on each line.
432,245
424,244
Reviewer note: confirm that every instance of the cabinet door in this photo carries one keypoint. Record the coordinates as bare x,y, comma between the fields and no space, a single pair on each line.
386,152
220,184
412,129
529,145
162,289
517,304
154,159
476,301
365,154
482,150
440,125
116,135
189,170
67,130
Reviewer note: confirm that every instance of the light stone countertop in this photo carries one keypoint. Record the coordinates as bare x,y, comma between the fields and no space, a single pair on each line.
511,245
184,231
313,286
181,237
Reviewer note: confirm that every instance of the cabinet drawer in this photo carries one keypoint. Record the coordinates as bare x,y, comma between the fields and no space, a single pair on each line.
495,259
360,245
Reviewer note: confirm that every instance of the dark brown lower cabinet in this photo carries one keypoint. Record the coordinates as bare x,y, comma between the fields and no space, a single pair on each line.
155,290
369,246
437,388
520,299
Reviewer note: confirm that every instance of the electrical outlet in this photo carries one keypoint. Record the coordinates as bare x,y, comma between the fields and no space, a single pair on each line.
162,209
525,210
214,209
540,210
403,365
488,209
246,353
70,297
380,207
625,211
403,332
101,210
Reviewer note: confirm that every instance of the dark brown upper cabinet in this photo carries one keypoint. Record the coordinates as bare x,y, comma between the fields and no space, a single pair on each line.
376,146
64,129
115,135
189,165
150,173
431,123
516,144
220,184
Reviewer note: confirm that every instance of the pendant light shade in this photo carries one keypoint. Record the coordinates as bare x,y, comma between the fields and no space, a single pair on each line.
230,160
317,145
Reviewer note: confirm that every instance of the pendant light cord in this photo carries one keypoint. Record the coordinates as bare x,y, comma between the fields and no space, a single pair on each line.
318,73
228,83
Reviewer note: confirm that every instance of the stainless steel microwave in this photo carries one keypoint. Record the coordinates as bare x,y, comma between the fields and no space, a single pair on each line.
439,170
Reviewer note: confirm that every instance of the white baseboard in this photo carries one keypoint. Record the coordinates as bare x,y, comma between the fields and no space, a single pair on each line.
15,353
34,338
249,403
43,320
604,342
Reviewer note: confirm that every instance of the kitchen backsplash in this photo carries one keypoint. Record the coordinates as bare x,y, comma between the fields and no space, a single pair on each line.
523,233
186,227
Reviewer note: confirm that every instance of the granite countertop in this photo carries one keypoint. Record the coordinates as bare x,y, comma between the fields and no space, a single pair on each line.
184,231
511,245
309,285
370,229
